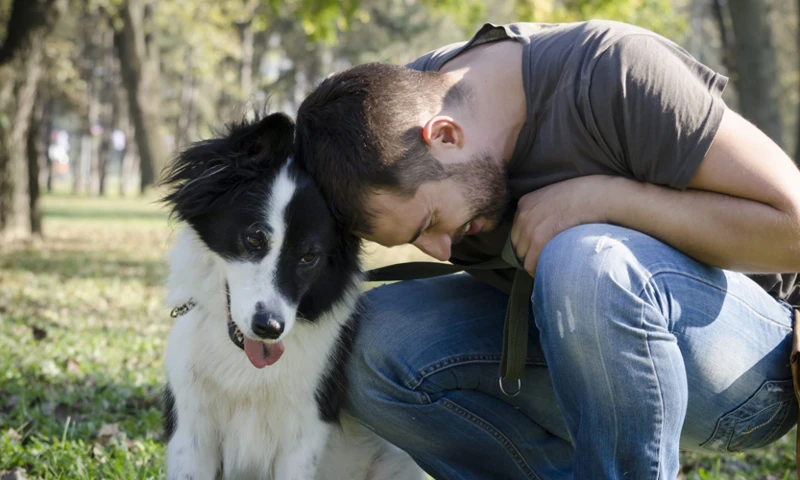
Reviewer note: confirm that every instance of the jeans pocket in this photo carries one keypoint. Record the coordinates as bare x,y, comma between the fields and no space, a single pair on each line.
762,419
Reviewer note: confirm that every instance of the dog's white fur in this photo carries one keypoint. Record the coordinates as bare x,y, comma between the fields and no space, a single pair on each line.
258,423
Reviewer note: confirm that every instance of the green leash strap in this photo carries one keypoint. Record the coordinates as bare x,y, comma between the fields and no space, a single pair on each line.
515,328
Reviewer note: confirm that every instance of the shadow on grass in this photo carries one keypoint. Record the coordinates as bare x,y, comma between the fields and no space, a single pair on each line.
69,264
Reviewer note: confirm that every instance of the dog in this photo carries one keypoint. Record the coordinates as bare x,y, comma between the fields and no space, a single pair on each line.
267,289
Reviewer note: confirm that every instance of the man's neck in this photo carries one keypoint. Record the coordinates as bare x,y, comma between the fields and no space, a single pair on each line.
492,74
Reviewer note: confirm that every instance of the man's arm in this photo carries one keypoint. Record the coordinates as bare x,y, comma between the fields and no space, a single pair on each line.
697,176
741,210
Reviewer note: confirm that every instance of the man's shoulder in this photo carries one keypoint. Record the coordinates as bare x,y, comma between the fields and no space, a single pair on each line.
527,32
489,32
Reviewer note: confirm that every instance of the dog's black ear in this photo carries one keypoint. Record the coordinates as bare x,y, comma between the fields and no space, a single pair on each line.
267,138
206,170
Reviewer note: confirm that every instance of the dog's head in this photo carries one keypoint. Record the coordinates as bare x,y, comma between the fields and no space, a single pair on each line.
283,256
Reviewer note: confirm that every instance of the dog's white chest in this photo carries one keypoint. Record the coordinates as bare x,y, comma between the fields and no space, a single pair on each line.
260,437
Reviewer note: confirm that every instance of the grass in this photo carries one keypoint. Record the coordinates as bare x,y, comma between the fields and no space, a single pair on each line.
82,333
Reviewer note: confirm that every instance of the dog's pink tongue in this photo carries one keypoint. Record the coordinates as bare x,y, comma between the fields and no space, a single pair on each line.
260,355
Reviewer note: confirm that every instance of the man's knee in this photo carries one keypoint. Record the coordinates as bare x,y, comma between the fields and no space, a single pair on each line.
588,282
581,259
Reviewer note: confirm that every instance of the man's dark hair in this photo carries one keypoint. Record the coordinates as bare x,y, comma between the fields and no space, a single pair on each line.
359,131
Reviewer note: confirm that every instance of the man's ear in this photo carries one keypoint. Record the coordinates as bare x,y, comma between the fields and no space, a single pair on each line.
443,131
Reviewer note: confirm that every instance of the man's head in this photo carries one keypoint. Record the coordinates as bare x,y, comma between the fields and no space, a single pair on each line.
400,158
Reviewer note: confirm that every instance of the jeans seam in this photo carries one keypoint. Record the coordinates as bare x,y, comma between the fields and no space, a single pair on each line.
771,418
709,284
778,402
509,447
660,402
449,362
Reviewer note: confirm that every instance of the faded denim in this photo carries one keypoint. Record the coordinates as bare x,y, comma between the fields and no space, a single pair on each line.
636,351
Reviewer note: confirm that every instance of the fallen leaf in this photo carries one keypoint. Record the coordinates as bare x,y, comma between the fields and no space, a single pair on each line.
98,453
108,431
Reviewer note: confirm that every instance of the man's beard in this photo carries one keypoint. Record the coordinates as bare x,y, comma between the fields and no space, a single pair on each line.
485,183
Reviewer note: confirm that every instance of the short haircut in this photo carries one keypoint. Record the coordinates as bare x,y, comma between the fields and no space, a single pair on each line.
359,132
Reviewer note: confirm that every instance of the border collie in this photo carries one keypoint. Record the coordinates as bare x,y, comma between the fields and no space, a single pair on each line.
269,288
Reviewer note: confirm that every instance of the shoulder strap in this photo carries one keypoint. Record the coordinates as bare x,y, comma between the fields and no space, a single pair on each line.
515,328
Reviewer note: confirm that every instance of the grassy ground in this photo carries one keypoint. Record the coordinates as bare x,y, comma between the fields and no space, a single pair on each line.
82,333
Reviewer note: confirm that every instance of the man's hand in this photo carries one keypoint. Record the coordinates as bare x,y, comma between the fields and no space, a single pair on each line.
544,213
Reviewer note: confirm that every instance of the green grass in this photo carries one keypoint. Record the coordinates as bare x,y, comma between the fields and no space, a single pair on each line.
83,328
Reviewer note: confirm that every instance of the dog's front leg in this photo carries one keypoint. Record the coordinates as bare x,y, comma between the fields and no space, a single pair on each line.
189,457
192,453
300,460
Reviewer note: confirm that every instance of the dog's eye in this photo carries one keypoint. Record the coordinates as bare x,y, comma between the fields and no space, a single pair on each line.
256,240
308,258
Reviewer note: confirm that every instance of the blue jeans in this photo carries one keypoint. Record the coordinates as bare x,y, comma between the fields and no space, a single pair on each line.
635,352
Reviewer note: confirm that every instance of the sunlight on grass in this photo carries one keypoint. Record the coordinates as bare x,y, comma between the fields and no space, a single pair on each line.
83,328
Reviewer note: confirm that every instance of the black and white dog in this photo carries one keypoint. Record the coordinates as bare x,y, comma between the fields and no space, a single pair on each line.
269,287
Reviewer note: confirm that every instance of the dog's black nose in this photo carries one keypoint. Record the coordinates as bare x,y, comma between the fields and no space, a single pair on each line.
266,324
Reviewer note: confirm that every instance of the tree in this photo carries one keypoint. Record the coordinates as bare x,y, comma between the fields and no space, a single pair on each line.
29,25
138,55
756,76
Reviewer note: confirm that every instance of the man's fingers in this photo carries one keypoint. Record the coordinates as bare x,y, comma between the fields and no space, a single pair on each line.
530,262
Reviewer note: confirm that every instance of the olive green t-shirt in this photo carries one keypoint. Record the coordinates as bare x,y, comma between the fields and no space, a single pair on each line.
607,98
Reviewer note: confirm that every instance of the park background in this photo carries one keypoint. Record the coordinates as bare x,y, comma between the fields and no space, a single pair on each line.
97,95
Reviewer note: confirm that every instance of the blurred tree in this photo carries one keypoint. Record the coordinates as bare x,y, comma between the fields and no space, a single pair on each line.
108,115
138,54
35,149
756,73
657,15
30,23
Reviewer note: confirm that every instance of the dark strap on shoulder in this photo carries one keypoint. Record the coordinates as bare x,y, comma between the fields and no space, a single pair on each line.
515,328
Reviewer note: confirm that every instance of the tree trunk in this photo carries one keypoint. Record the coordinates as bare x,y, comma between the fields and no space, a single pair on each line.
20,69
186,113
109,112
246,71
84,167
47,162
139,69
129,164
724,37
757,72
35,153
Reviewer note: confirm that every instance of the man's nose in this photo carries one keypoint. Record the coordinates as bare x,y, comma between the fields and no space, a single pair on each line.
437,246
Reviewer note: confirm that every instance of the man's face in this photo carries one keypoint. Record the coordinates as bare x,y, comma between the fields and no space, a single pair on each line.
441,213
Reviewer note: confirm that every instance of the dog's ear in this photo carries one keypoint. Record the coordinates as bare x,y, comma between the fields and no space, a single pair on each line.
195,178
266,139
206,170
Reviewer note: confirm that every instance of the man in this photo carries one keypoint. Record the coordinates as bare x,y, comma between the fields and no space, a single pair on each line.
631,193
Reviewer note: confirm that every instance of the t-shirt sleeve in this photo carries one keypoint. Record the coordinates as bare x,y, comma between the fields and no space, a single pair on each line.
653,109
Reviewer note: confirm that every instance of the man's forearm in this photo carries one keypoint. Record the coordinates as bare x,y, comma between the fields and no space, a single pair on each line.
716,229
